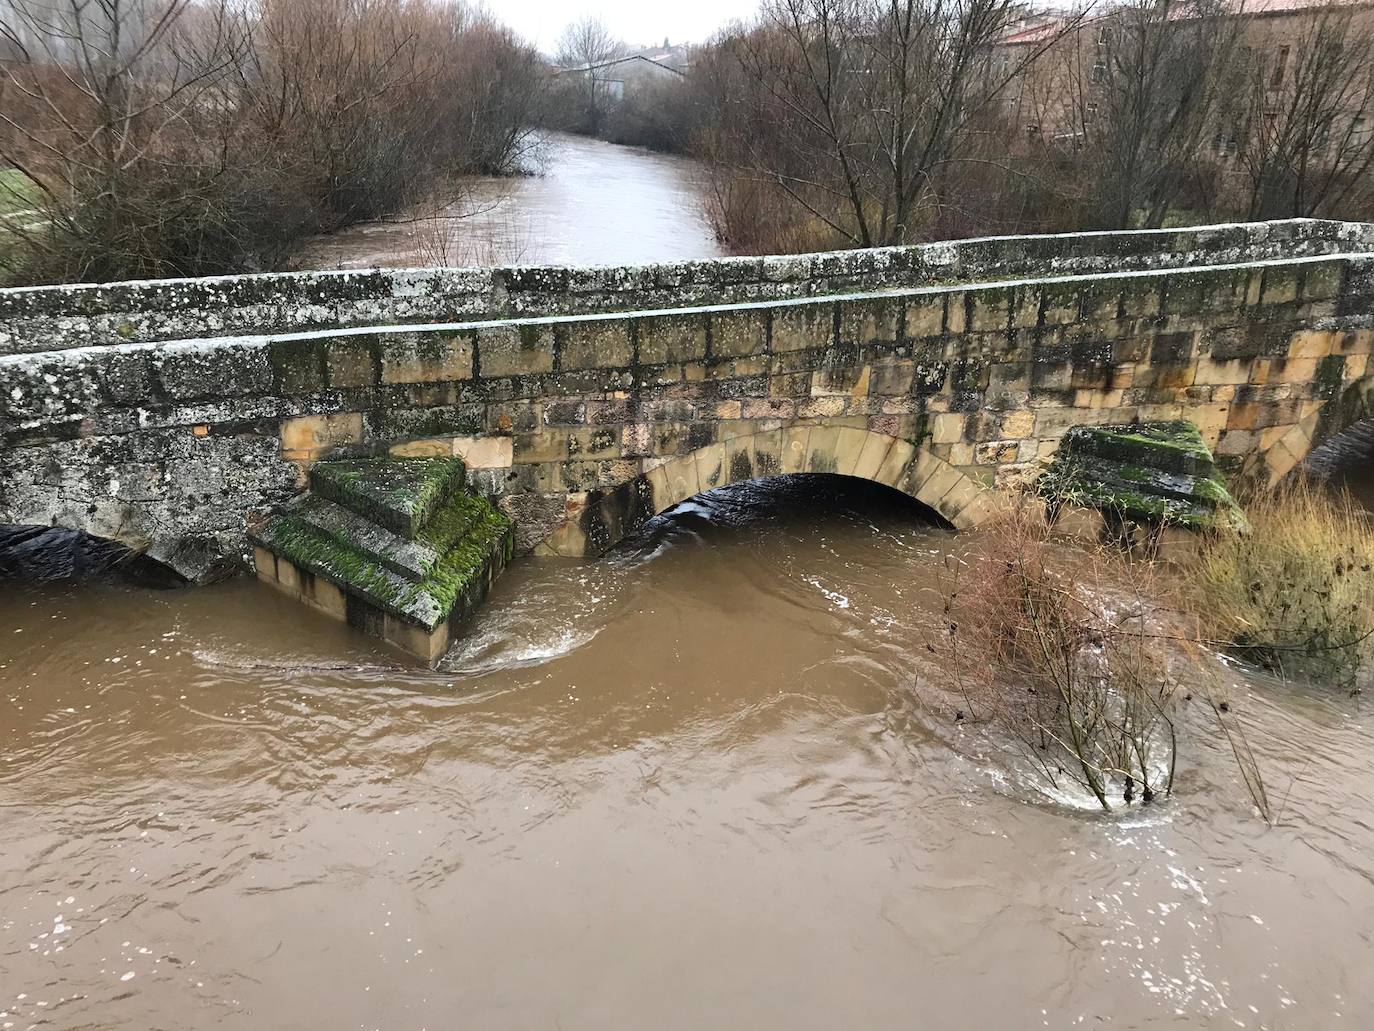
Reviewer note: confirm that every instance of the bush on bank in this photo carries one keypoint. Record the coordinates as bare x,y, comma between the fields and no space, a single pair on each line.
1068,655
1064,660
1295,595
215,136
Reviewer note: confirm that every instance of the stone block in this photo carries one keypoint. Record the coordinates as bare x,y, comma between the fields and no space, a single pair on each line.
1291,370
126,376
1017,424
195,371
485,452
298,366
948,428
736,335
1280,285
872,453
996,452
427,357
351,361
1314,343
870,320
599,344
803,327
990,310
1234,371
895,467
668,339
794,448
1140,298
712,467
1322,282
924,316
766,452
302,438
514,350
890,378
432,447
837,379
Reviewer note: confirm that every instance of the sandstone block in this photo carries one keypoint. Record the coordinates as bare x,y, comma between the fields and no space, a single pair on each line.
303,437
739,335
667,339
514,350
595,345
425,357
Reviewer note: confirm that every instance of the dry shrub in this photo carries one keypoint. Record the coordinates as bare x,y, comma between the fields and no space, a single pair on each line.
196,137
1068,661
1296,594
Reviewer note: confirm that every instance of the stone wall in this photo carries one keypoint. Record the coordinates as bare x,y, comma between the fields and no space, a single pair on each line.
56,318
584,425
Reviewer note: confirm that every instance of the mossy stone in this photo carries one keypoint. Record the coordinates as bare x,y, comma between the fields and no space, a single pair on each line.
1156,473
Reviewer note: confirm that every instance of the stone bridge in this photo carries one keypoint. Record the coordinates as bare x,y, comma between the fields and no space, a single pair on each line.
166,414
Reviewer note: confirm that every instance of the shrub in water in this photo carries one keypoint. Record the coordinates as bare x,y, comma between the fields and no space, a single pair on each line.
1066,661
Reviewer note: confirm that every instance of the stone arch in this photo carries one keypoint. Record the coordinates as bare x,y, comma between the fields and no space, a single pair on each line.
1292,444
596,521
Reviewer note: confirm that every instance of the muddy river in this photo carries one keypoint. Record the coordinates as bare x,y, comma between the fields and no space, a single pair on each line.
711,780
586,203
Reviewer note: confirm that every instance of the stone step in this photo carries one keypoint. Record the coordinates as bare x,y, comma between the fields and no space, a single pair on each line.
411,559
410,588
1155,473
398,493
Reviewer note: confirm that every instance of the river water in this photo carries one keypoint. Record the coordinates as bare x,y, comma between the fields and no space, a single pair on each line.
589,203
712,779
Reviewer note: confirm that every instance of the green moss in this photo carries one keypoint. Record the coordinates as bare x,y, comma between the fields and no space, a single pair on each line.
459,579
316,552
1150,472
399,493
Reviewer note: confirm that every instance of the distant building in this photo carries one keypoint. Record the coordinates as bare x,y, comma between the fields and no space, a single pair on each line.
1053,66
614,80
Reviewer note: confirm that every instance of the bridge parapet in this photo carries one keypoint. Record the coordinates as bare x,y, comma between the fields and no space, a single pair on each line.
55,318
583,424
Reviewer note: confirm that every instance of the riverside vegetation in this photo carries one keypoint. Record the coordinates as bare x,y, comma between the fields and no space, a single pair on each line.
197,137
1075,662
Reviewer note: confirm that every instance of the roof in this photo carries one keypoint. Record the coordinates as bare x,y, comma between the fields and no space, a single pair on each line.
619,60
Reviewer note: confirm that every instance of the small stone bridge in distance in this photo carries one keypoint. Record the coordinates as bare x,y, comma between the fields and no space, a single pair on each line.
169,414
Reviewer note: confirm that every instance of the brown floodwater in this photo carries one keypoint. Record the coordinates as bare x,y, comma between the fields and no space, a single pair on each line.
586,203
711,780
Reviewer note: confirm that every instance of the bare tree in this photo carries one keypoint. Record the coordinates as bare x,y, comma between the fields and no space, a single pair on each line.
183,137
857,110
584,50
102,99
1308,133
1151,83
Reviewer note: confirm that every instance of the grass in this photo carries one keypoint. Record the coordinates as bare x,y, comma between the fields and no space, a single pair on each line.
1295,595
17,191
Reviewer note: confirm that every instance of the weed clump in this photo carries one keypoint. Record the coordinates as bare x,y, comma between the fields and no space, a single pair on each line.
1295,595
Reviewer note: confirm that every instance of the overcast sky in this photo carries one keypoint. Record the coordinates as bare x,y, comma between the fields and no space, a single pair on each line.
636,21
